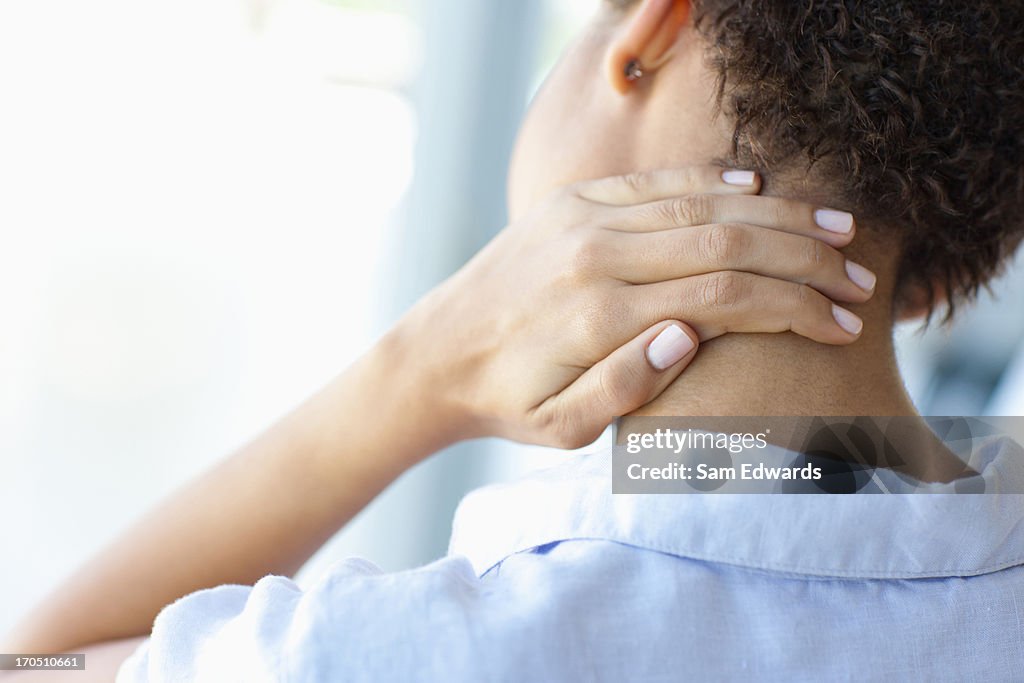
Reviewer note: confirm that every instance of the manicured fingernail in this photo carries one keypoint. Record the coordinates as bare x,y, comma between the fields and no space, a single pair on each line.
669,347
834,221
733,177
848,321
861,276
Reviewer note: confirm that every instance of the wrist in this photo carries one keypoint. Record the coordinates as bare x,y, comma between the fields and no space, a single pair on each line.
414,380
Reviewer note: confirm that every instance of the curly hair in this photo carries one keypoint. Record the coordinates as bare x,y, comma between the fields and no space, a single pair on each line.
912,110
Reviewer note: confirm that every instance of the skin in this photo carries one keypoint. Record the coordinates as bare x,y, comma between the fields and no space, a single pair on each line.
542,337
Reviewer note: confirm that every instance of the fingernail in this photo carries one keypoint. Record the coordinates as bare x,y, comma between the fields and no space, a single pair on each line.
669,347
733,177
848,321
834,221
861,276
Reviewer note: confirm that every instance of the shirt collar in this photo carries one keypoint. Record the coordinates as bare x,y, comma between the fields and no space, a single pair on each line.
897,536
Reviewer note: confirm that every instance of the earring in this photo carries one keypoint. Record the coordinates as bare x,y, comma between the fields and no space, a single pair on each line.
634,70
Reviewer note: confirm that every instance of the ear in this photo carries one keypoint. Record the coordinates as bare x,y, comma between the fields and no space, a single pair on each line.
648,36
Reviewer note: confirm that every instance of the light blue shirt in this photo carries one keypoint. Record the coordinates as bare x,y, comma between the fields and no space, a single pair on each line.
554,578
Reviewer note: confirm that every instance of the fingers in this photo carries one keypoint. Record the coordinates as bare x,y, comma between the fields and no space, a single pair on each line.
730,301
639,188
633,375
832,227
684,252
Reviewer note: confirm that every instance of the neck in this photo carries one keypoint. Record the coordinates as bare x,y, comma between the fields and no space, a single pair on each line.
786,375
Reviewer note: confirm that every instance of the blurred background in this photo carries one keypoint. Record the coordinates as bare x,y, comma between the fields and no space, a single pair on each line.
210,207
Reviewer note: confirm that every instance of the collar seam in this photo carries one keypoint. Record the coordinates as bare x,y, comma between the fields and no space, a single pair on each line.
776,567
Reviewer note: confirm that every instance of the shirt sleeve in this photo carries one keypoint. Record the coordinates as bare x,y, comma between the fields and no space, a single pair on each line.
356,623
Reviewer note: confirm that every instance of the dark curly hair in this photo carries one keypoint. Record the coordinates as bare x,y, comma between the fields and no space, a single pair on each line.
913,111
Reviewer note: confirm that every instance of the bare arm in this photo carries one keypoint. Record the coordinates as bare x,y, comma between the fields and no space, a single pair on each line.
264,510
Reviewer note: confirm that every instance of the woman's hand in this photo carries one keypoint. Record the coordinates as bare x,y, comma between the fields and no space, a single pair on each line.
536,339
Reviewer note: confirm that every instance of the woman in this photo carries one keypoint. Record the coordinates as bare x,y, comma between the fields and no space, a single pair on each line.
573,315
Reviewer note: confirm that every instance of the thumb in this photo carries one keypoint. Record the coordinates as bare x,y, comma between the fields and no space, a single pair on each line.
633,375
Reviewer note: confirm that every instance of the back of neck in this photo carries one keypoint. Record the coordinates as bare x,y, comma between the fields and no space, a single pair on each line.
784,374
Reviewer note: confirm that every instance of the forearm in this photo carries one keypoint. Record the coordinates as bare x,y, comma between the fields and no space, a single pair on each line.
265,509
